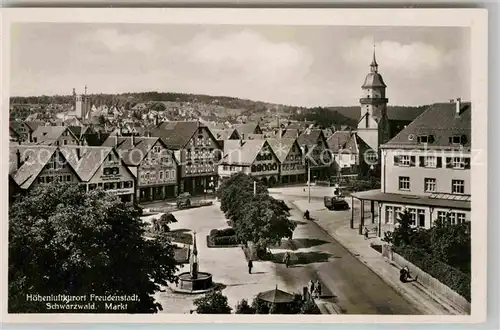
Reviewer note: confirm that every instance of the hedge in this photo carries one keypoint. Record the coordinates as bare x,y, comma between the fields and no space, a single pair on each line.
225,240
449,276
222,232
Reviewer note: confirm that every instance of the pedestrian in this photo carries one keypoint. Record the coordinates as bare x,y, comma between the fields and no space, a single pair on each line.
250,266
286,259
311,287
366,233
409,278
402,275
318,289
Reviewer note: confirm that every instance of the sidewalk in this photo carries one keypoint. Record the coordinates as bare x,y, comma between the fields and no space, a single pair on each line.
339,229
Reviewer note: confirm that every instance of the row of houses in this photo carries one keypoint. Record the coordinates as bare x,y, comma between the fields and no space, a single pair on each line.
175,157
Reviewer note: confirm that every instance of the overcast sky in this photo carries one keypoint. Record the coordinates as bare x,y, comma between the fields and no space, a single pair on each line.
306,66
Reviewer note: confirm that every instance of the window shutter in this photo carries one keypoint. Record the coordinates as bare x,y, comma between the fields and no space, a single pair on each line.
396,160
412,161
439,162
448,162
421,161
463,139
431,138
467,163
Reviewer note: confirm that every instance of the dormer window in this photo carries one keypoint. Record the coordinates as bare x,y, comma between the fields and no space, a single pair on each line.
458,139
425,139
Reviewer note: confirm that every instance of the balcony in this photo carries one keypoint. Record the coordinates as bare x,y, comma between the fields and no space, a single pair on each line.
369,100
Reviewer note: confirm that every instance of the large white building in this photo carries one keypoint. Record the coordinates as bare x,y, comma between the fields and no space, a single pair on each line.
426,169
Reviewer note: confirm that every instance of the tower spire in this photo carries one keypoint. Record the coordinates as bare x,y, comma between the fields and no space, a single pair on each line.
374,65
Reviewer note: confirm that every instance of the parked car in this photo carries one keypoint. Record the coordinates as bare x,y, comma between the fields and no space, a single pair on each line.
335,203
184,200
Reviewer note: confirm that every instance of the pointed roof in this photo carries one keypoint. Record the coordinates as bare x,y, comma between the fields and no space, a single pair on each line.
276,296
176,134
373,79
133,154
239,152
33,160
91,158
281,147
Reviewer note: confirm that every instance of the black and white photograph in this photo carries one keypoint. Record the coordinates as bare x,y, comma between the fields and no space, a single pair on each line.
188,168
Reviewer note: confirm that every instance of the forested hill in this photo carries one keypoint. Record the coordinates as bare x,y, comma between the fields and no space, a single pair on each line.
327,116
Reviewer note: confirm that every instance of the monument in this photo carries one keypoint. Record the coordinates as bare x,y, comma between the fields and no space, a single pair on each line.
194,281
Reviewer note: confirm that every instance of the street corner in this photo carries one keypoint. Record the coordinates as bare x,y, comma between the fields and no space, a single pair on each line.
304,204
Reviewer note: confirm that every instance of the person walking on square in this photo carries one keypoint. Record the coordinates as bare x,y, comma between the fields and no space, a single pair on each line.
318,289
286,259
366,233
311,287
250,266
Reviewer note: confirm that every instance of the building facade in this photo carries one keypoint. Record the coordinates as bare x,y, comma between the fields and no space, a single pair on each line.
291,160
253,157
197,152
153,165
318,156
426,169
101,168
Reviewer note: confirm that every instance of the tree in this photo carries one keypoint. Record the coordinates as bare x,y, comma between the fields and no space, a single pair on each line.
63,240
213,302
235,191
165,220
242,307
404,232
264,222
451,244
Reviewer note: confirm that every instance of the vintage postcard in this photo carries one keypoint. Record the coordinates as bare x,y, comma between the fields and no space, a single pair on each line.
264,165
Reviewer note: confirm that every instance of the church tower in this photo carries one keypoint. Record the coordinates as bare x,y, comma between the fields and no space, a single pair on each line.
82,104
373,127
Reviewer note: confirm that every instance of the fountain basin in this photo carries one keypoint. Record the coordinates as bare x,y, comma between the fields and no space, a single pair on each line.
187,284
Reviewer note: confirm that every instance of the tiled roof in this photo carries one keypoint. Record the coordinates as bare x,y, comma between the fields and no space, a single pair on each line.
91,158
48,134
33,160
33,125
132,155
176,134
439,121
281,147
239,152
338,140
373,79
291,133
245,129
310,137
223,134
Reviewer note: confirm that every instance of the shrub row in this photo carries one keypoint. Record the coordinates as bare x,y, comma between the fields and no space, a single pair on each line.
225,240
449,276
222,232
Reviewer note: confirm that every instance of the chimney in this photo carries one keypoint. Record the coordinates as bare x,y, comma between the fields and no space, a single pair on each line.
18,158
458,106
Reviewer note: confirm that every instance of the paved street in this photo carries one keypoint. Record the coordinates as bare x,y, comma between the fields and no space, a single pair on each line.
346,280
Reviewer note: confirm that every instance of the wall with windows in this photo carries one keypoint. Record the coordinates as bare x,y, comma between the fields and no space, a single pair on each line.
201,155
294,163
226,170
423,216
113,177
157,167
56,169
425,172
321,155
265,163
